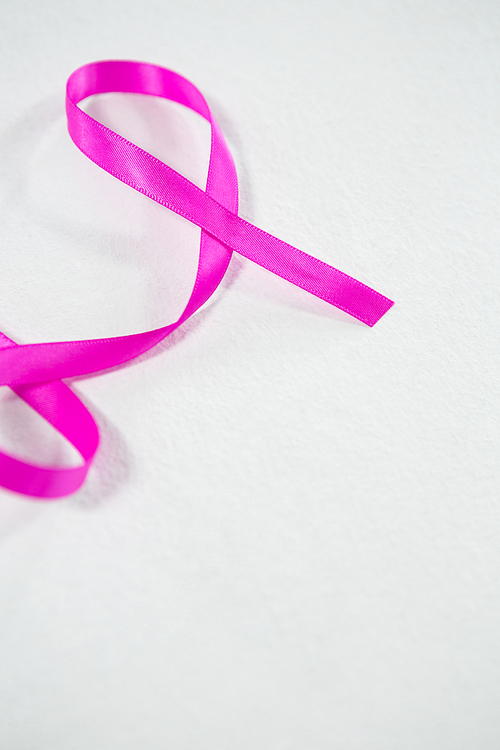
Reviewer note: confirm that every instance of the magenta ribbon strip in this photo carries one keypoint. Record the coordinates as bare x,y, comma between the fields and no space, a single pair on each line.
35,371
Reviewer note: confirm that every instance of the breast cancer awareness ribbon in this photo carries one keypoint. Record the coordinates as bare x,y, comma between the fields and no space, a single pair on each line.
35,371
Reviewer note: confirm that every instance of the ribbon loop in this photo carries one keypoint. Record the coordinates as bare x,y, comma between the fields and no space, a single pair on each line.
35,371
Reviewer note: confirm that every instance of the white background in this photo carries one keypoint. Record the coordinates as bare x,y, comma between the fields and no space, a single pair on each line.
290,538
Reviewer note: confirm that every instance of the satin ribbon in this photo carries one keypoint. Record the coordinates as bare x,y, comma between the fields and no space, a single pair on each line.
35,371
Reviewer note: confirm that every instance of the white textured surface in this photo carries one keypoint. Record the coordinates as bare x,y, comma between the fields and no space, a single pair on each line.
290,538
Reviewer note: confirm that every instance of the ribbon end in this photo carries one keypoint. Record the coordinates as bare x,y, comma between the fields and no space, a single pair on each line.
379,309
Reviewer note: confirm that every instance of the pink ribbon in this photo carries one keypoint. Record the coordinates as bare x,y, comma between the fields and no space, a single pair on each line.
35,371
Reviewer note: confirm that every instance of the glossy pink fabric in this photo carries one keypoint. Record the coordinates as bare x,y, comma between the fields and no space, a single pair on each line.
35,371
